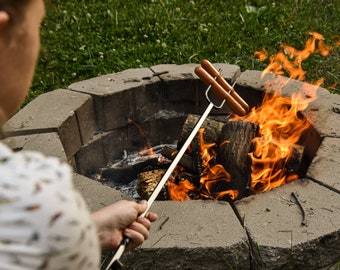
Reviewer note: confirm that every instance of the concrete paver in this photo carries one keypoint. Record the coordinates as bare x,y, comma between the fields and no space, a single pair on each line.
325,164
192,235
274,221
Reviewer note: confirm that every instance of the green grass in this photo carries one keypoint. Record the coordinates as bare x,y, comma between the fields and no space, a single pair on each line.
86,38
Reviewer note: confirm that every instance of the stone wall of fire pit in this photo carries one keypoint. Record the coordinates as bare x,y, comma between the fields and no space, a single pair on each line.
295,226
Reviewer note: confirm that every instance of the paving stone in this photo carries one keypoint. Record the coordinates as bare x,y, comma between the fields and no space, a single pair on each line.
96,194
255,80
325,165
324,114
274,222
87,120
119,94
91,157
192,235
47,143
54,111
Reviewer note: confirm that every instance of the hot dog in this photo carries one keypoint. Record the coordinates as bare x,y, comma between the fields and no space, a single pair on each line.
220,91
215,74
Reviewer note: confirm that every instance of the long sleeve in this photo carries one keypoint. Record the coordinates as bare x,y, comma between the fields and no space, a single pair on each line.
44,221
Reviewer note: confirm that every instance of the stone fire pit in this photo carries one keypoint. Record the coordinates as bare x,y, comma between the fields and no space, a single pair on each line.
87,126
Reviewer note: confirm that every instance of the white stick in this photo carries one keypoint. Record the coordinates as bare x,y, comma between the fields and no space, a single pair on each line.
165,177
177,158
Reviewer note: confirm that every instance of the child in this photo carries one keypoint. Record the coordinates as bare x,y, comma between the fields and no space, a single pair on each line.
44,222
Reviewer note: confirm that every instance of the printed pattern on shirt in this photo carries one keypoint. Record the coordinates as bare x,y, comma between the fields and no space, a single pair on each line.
44,221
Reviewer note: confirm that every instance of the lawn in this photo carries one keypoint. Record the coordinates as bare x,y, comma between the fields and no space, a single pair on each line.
86,38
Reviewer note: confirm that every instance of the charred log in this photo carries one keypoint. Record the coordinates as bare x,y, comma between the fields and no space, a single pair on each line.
212,129
124,175
235,143
186,161
148,181
295,160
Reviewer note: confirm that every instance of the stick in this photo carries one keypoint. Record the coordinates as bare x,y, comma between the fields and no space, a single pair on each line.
303,222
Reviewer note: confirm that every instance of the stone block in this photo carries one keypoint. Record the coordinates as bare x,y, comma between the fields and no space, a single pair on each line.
115,144
70,135
47,143
87,120
184,92
91,157
117,94
324,114
325,165
162,128
251,80
179,87
55,111
192,235
282,238
95,194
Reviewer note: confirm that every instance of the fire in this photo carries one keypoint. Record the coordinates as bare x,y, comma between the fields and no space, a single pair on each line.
280,128
213,179
147,150
280,125
289,60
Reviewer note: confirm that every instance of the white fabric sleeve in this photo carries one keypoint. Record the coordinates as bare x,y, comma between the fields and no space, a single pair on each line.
44,221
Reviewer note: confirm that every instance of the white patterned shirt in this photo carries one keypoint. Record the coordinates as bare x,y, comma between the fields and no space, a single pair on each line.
44,221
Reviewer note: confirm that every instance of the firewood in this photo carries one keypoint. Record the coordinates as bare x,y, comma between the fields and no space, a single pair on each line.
235,142
148,181
212,129
295,160
186,161
124,175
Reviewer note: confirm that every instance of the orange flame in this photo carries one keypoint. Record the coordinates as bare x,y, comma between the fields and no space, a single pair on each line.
147,150
213,178
289,60
179,190
280,125
280,128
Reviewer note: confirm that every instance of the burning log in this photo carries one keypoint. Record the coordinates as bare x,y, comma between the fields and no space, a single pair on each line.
148,181
186,161
235,143
212,129
295,160
124,175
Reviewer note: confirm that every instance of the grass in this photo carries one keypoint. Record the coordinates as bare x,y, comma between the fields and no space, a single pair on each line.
86,38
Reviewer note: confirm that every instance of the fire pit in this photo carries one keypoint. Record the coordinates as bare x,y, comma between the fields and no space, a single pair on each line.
293,226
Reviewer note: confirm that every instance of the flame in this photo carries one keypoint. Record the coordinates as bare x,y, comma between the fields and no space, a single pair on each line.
289,60
147,150
213,178
280,128
179,187
280,124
